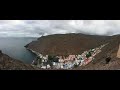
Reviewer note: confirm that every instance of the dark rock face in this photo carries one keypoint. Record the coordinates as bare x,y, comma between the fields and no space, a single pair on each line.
8,63
0,52
108,60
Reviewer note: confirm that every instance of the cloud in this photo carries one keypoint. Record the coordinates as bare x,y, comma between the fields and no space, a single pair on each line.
36,28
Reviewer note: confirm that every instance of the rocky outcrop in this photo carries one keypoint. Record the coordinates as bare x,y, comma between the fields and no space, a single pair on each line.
8,63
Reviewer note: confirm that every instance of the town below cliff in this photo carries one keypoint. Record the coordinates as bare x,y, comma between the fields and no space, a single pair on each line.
69,52
76,51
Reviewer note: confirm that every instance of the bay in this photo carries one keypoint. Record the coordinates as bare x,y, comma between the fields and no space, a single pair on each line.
14,47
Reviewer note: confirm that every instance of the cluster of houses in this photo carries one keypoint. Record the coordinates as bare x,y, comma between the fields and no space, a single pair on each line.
69,62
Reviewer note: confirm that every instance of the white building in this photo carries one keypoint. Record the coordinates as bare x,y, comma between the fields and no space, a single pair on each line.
48,66
54,63
43,67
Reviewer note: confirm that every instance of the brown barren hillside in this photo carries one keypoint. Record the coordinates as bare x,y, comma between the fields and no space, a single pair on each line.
65,44
62,44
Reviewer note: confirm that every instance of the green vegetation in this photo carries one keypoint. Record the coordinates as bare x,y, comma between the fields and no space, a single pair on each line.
52,58
75,65
40,60
88,54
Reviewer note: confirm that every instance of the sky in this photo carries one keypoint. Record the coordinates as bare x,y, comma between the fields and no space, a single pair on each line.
36,28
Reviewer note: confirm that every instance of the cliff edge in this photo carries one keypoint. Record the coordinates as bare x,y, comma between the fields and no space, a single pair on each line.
8,63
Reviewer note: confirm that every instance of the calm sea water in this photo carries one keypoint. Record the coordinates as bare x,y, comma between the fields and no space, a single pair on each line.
14,47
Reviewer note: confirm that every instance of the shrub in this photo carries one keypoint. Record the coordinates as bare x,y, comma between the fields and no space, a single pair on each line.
88,54
108,60
75,65
53,58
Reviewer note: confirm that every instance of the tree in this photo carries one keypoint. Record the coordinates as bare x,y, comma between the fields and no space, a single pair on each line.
55,59
40,60
88,54
50,57
75,65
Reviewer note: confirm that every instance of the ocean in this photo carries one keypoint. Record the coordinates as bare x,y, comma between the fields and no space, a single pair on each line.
14,47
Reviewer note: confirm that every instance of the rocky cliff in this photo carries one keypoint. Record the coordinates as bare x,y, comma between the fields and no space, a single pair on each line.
8,63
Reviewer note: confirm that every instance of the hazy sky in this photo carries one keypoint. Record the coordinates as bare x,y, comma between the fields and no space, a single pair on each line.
34,28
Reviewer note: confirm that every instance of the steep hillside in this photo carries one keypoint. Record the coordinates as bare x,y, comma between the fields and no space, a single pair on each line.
65,44
8,63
